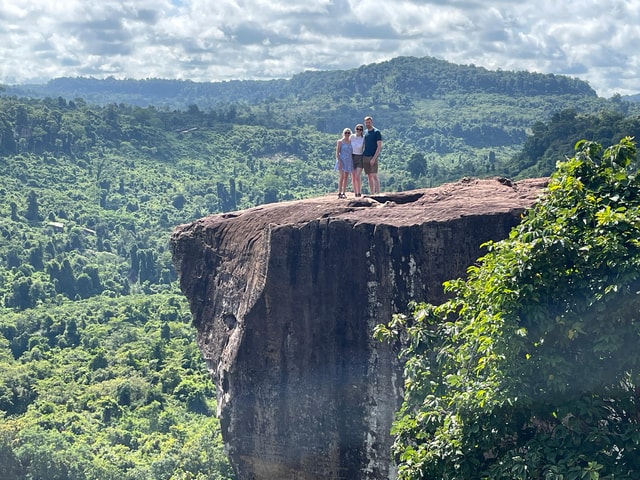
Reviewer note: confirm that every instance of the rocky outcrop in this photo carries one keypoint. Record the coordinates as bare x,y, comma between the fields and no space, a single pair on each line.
285,298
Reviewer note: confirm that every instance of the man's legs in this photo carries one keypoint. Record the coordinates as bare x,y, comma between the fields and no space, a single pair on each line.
372,175
372,182
376,183
366,163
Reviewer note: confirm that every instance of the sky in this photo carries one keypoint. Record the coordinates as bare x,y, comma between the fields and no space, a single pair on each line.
217,40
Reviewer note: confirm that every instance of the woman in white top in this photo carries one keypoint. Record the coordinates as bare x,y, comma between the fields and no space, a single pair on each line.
357,145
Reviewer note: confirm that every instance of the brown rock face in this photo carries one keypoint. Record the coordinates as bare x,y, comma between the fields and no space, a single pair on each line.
285,298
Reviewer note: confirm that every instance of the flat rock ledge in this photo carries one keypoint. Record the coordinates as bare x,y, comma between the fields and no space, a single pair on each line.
285,298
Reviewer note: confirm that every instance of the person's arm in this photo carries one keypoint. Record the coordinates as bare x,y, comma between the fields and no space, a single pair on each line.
378,149
338,145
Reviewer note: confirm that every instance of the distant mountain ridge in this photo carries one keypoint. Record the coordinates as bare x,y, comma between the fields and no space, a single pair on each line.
632,98
423,77
153,91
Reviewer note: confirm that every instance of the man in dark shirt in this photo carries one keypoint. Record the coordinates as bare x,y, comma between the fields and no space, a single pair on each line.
372,147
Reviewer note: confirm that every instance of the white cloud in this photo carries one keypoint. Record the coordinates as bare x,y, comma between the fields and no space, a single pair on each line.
260,39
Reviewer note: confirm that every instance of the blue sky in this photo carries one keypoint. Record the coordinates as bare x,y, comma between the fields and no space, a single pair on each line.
216,40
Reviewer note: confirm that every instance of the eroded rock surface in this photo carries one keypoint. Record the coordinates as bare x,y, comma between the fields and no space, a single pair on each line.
285,298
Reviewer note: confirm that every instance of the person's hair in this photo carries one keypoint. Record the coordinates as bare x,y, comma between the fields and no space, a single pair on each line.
346,130
368,118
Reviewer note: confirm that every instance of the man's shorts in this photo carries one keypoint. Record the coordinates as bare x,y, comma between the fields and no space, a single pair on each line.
357,161
368,168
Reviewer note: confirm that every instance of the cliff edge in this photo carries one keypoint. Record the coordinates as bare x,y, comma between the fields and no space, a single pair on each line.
285,298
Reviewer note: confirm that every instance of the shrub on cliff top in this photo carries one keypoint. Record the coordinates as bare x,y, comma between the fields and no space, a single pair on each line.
530,370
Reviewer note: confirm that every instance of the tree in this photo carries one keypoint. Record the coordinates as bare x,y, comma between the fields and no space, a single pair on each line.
84,286
179,201
99,361
20,297
32,212
66,279
530,370
14,211
417,165
36,257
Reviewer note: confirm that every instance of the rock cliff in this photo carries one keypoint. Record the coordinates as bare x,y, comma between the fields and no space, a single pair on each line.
285,298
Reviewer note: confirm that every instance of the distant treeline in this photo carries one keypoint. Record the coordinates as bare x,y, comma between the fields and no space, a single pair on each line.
404,77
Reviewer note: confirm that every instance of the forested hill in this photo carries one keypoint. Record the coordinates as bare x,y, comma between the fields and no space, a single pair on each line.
162,93
428,77
402,78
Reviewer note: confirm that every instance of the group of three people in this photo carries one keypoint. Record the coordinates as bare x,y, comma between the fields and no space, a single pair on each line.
355,153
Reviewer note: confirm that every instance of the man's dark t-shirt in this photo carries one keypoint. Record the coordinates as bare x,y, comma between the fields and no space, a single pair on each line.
371,138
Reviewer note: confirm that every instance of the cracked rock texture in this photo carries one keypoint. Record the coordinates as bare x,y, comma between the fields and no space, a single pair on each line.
285,298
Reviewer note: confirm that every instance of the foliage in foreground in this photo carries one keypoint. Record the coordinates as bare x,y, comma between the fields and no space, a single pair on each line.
530,370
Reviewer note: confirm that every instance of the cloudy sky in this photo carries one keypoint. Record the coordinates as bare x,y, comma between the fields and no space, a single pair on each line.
215,40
